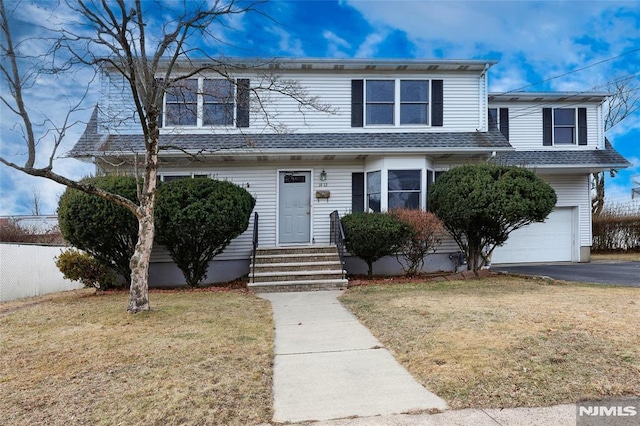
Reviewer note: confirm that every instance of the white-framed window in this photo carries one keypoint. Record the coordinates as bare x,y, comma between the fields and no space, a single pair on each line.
414,102
374,191
389,102
168,177
389,189
181,103
199,102
404,189
564,126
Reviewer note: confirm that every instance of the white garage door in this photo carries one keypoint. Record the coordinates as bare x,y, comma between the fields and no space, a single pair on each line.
550,241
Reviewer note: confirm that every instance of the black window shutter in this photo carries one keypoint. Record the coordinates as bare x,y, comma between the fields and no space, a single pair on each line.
437,103
492,118
547,129
357,103
504,122
582,126
242,106
357,192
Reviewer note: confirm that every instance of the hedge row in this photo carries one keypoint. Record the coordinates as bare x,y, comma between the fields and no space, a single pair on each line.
616,233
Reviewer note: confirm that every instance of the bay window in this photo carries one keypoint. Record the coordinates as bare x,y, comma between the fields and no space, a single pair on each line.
374,192
404,189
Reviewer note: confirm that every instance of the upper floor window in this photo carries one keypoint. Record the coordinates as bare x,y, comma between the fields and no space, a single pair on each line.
202,102
380,101
396,102
499,120
181,103
564,126
387,106
217,103
414,102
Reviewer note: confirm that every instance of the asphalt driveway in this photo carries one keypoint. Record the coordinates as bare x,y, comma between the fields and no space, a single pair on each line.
603,272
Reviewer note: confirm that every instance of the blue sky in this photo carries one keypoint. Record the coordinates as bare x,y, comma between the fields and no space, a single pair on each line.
534,42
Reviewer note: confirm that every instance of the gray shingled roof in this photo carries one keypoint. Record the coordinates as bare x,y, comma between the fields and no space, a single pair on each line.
608,157
93,144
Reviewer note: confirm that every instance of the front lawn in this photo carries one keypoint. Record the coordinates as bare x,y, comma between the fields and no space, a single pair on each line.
79,358
508,342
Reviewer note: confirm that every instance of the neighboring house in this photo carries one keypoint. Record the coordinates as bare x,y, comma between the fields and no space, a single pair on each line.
392,127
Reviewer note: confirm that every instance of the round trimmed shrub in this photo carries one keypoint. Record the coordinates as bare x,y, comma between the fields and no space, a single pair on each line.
197,218
371,236
105,230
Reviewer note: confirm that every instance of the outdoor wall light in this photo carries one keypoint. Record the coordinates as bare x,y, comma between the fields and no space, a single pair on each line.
323,175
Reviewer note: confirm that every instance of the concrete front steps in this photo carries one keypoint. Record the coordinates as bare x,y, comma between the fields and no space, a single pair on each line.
299,268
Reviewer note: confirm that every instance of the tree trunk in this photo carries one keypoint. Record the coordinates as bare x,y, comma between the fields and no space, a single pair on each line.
370,268
597,204
139,290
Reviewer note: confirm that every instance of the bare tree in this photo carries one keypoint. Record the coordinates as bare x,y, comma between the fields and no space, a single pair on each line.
624,102
119,35
35,201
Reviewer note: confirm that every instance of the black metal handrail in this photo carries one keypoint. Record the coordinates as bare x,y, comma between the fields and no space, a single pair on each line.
337,236
255,245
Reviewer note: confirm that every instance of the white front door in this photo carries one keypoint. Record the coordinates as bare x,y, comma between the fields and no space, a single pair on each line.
294,208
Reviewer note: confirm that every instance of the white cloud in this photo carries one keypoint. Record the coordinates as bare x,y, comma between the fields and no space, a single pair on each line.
335,45
369,46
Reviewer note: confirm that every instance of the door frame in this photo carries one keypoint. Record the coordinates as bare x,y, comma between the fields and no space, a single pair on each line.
277,201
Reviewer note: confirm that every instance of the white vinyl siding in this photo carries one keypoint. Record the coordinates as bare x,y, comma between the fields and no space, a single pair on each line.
525,126
462,105
262,180
572,191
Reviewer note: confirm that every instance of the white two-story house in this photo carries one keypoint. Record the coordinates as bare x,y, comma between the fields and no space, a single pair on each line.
388,129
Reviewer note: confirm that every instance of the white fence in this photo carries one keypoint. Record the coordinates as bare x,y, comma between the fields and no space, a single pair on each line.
30,270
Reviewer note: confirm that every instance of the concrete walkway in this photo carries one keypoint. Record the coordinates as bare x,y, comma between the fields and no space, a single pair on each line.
558,415
329,366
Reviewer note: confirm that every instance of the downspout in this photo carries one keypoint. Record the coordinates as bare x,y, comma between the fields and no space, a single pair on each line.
484,96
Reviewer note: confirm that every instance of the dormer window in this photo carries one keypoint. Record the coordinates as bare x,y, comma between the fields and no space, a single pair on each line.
202,102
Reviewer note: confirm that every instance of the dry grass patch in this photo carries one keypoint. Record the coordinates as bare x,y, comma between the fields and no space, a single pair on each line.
196,358
509,342
621,257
